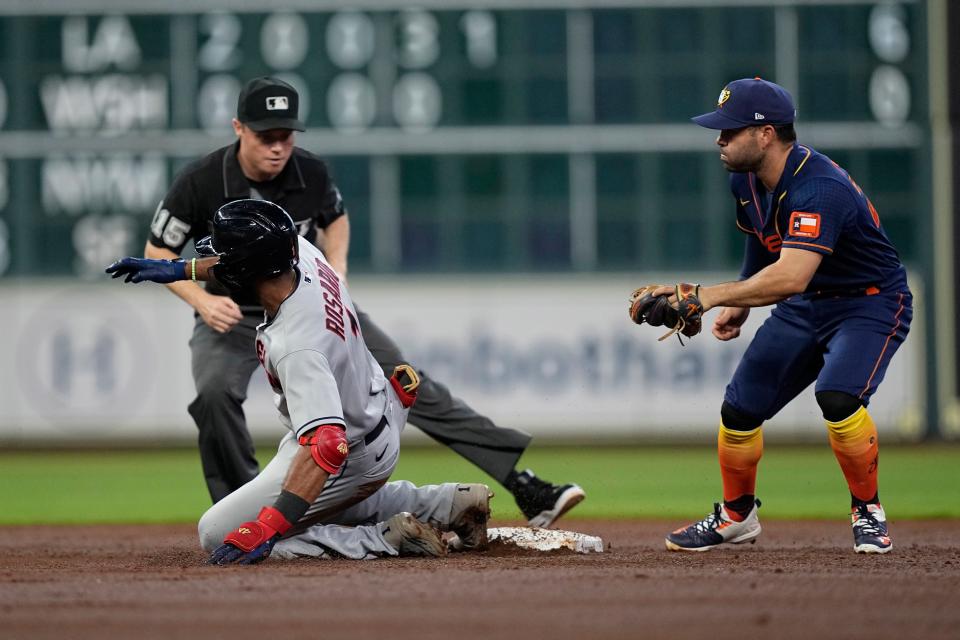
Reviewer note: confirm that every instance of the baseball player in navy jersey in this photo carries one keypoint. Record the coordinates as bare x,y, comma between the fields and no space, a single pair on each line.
265,164
815,247
326,492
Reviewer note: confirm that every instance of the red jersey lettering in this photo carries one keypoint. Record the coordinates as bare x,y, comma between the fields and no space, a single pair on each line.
261,356
772,243
331,296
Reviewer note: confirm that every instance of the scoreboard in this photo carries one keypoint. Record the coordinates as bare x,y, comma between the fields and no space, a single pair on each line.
465,136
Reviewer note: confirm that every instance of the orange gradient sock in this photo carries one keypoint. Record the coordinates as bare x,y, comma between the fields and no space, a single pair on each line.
854,443
739,453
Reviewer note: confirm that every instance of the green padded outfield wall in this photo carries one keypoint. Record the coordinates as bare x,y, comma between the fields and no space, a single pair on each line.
520,136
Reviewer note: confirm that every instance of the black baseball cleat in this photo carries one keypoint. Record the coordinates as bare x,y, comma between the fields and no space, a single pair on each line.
542,503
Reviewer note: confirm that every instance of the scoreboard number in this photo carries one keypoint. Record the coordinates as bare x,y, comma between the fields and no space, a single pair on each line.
220,51
284,40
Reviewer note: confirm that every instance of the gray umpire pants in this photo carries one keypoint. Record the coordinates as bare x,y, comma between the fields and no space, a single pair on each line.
348,518
449,420
224,363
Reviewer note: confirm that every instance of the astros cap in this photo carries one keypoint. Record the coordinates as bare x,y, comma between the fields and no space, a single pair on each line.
268,103
748,102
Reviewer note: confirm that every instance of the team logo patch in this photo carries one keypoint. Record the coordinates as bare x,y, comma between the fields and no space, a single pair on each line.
724,96
277,103
805,225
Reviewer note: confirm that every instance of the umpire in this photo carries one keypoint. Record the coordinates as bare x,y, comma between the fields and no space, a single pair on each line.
264,164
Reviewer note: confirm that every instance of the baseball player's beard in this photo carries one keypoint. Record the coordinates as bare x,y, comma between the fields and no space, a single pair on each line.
743,165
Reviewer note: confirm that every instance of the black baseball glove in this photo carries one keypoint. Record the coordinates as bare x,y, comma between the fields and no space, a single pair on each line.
684,316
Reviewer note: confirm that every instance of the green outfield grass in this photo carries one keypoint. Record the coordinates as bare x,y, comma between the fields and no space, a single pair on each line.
621,482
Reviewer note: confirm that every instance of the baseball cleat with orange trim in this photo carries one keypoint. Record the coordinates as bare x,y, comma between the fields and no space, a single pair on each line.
716,529
870,529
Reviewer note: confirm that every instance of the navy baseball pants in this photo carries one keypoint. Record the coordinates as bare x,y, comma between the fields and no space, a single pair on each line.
842,343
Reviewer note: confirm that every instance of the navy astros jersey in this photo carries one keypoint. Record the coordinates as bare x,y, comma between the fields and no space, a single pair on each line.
818,207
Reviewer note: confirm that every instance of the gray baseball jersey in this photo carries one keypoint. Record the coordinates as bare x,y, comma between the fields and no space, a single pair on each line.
318,364
320,368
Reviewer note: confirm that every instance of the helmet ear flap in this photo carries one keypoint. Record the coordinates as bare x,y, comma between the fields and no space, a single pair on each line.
226,277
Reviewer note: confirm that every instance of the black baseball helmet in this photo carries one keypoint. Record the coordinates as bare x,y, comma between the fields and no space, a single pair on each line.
254,239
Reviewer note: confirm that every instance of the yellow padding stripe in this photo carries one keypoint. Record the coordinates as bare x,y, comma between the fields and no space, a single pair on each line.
849,426
734,436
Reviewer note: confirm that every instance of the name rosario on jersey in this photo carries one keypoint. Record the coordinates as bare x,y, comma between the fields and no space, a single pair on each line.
331,297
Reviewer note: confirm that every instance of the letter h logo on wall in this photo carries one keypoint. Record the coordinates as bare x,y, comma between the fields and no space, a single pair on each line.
72,361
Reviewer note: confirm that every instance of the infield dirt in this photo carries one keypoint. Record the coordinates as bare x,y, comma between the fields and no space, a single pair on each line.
801,580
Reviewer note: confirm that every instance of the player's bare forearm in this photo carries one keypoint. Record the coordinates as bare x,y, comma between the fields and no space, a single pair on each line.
204,268
787,276
305,478
758,291
336,244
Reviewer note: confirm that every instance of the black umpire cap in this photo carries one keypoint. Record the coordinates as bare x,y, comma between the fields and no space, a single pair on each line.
268,103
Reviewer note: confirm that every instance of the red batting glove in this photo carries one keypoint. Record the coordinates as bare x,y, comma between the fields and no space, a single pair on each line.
253,541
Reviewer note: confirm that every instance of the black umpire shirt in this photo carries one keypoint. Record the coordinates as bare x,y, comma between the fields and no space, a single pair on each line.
304,188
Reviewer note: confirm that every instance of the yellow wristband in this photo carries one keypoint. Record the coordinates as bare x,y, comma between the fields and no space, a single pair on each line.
193,269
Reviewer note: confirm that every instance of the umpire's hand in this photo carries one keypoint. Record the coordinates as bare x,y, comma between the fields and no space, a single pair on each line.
219,312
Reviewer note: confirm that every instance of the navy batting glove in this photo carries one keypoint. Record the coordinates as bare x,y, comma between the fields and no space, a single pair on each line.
230,554
141,269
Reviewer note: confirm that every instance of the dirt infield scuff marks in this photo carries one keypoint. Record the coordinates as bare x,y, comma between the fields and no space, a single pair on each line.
801,580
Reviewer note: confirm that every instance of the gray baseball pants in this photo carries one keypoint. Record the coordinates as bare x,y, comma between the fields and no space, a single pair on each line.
224,363
347,519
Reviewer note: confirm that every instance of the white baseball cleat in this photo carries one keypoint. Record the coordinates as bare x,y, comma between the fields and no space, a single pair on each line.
410,537
469,514
870,529
716,529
